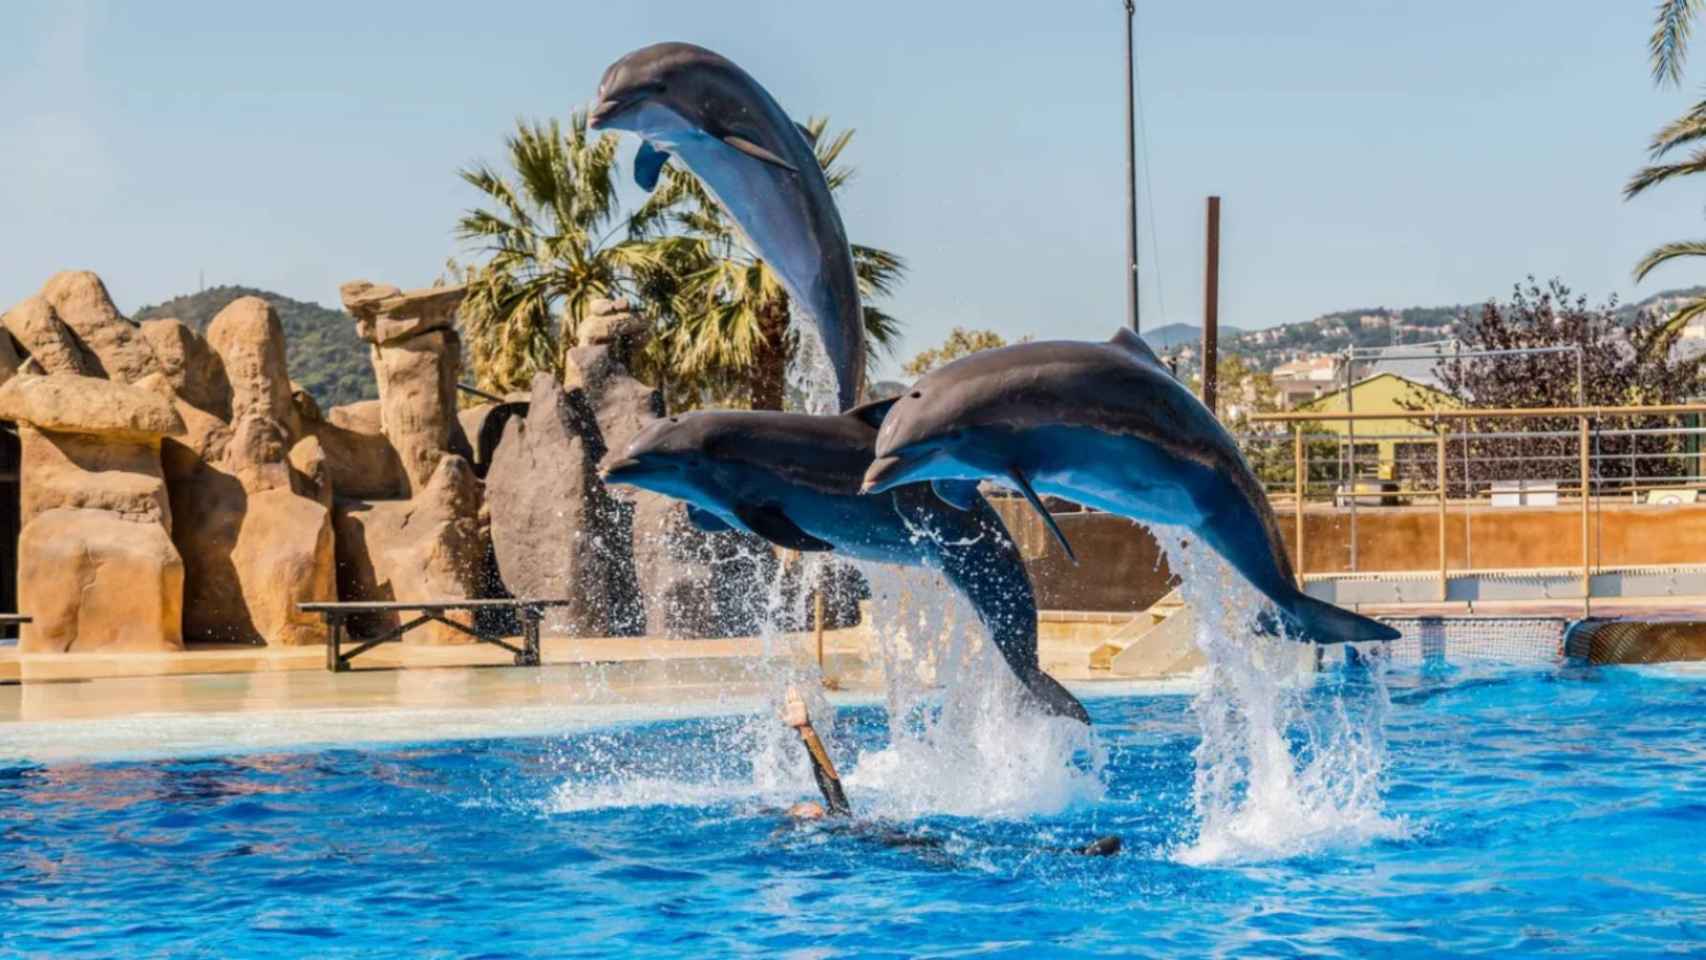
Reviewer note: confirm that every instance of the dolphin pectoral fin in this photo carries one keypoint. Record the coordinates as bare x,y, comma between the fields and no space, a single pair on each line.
959,494
706,520
757,152
1018,478
873,413
773,525
648,164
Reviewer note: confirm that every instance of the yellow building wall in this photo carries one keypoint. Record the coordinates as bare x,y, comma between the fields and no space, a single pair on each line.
1385,393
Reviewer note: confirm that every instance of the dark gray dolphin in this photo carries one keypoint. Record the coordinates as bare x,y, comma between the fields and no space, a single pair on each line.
1104,424
759,164
793,479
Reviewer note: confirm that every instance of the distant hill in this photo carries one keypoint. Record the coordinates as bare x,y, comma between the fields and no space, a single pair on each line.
1384,326
321,347
1183,335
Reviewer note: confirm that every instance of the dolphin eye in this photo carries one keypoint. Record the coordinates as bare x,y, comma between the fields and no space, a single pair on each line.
674,419
916,394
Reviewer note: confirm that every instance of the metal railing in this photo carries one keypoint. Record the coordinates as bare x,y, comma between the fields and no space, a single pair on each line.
1478,453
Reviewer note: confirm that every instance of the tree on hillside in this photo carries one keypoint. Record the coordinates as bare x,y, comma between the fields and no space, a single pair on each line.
1623,363
1668,49
960,342
729,323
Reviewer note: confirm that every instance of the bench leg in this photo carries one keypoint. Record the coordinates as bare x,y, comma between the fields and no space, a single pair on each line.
529,655
334,657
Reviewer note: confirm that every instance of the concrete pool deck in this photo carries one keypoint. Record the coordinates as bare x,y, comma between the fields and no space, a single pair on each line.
67,707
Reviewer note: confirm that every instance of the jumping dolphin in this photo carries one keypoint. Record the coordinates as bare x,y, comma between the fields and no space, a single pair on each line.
1104,424
759,165
793,479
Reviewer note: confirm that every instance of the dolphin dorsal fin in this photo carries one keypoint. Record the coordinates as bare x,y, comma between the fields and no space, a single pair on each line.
1128,340
872,413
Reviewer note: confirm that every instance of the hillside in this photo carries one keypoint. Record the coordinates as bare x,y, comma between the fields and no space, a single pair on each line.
1172,335
321,347
1383,326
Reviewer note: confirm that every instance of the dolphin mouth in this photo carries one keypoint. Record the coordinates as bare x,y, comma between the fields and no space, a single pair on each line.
607,108
617,471
880,475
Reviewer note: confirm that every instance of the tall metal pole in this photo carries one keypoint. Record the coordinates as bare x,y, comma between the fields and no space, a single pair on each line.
1211,308
1131,301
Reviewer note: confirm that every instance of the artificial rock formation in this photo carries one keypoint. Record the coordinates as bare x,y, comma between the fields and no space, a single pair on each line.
628,559
256,526
417,356
79,299
97,566
178,486
548,508
427,548
408,515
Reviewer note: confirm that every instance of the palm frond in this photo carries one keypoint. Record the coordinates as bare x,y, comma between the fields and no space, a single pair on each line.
1688,312
1668,46
1652,176
1664,254
879,271
1686,129
882,333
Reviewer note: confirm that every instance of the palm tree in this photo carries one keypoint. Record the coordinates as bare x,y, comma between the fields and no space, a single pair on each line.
556,243
730,319
1668,49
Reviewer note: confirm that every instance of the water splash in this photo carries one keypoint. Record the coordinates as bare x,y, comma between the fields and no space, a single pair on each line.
1288,765
964,739
811,376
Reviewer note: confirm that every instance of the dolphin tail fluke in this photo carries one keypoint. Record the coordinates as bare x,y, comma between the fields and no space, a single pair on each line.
1055,698
1322,622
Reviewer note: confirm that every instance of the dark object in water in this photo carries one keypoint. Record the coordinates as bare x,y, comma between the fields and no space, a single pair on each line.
1104,847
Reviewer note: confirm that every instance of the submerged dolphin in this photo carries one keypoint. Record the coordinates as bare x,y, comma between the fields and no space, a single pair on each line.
1104,424
793,479
760,166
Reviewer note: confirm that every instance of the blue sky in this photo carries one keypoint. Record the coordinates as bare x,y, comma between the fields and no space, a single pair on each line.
1369,152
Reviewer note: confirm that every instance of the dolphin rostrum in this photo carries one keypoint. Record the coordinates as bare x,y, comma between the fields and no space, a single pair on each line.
759,165
793,479
1104,424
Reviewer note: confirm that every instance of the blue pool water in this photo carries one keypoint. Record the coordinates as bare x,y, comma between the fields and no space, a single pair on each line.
1523,813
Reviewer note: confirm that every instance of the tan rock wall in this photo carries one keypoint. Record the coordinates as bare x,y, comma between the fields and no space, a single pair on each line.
68,470
425,549
47,340
92,581
80,301
190,365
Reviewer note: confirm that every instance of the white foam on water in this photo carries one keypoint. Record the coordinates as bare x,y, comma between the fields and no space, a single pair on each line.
964,739
1288,764
578,796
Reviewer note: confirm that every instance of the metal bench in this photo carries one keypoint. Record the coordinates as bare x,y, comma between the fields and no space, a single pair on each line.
338,614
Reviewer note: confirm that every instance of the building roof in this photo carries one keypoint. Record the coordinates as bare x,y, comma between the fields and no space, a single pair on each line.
1406,360
1421,391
